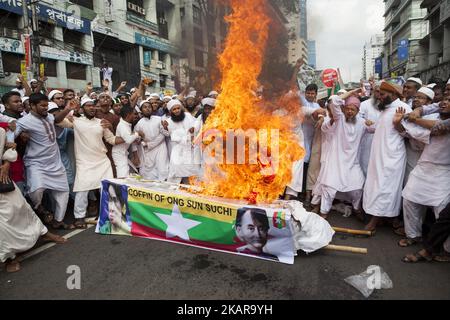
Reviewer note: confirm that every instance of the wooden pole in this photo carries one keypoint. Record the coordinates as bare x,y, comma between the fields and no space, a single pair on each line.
346,249
355,232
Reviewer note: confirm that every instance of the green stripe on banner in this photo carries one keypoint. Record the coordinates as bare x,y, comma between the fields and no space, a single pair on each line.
209,230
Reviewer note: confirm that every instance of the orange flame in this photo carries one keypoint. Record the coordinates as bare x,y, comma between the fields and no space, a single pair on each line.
239,108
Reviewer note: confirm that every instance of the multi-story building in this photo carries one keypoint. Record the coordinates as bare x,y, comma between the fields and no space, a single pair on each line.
372,50
435,46
312,54
304,19
297,46
137,38
404,28
65,43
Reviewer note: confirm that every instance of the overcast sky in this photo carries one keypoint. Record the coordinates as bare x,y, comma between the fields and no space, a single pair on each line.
341,28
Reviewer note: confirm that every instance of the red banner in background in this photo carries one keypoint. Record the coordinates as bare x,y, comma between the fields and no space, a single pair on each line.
28,54
329,76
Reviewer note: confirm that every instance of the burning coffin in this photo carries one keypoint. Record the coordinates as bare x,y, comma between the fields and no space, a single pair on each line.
165,212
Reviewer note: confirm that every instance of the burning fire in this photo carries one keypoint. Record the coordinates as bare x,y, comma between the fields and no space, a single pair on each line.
239,108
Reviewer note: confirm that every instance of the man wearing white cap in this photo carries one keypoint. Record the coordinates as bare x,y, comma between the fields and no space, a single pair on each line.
191,104
22,87
410,89
429,182
213,94
153,153
414,148
184,161
92,162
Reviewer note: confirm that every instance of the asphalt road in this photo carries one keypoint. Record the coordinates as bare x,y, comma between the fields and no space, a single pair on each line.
131,268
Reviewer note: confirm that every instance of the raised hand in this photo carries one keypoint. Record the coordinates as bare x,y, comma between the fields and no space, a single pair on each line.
399,115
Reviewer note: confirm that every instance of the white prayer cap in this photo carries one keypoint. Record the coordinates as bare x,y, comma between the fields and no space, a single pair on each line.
133,90
209,101
342,91
213,93
155,96
52,94
142,103
167,98
192,94
52,106
448,82
416,80
86,100
428,92
148,94
175,96
25,99
431,85
33,80
173,103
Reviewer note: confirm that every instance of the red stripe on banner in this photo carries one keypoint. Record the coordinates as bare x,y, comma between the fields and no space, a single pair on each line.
155,234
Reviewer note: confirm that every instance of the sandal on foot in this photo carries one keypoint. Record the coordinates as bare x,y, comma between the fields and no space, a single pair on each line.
12,267
80,224
415,258
62,226
400,232
404,243
442,258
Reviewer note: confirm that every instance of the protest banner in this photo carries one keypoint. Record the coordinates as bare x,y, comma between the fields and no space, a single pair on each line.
159,213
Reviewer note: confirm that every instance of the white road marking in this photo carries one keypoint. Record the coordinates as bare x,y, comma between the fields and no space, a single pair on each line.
50,245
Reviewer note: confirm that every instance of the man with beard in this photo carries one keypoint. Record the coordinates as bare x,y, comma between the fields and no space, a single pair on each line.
13,112
414,148
191,105
65,136
153,153
92,163
22,87
181,128
342,172
69,95
429,182
104,104
369,111
410,89
382,192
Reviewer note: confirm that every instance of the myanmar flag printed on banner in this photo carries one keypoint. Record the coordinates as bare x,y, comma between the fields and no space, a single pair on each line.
279,220
183,219
193,220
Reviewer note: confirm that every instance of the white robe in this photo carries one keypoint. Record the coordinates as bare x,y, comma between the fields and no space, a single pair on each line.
383,189
368,111
153,153
429,182
184,161
120,152
20,228
92,163
44,167
342,170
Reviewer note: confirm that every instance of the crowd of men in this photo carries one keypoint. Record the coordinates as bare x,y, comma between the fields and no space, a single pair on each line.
385,152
